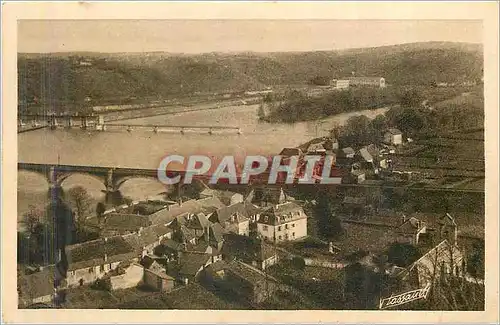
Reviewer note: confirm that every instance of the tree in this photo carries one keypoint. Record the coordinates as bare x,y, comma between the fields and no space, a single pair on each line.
100,209
329,225
402,254
81,203
31,218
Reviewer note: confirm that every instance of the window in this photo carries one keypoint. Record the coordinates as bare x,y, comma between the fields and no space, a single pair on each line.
286,226
279,237
293,225
102,268
264,227
279,228
91,270
293,234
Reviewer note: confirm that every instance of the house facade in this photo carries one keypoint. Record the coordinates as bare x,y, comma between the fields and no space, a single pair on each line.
157,280
339,84
367,82
393,136
89,261
282,222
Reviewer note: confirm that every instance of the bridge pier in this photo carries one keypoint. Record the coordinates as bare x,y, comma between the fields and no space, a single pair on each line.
69,122
84,122
53,122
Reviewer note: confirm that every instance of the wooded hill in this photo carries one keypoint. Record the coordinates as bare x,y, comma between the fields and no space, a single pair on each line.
72,77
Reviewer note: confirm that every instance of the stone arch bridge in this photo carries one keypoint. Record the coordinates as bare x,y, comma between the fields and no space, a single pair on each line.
111,177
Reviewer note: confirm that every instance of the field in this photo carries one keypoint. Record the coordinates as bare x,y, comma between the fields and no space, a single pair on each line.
452,159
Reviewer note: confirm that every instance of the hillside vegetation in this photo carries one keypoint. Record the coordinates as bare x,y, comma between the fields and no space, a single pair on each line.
61,79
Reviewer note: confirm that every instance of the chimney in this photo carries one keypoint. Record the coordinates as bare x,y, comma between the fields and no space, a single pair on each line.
330,247
105,239
105,257
403,218
207,234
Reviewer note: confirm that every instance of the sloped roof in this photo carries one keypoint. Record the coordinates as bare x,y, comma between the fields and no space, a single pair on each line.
191,262
274,215
192,206
365,154
38,284
216,232
289,152
248,272
394,131
242,210
348,151
92,253
447,219
410,226
125,221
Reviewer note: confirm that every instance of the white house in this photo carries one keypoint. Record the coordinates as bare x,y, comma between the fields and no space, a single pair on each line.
282,222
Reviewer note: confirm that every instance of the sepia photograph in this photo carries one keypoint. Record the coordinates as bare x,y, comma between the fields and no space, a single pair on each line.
251,164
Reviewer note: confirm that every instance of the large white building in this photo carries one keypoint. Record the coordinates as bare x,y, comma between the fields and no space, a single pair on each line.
282,222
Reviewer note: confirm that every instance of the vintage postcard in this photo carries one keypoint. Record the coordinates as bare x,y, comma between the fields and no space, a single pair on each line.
249,162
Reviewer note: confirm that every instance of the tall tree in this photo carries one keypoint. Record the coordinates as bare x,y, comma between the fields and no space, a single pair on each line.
81,203
329,224
31,218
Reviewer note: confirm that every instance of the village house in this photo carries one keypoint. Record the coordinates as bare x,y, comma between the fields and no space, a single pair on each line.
262,197
126,275
282,222
393,136
290,152
155,276
348,152
410,230
226,197
235,218
250,250
89,261
146,239
116,223
445,258
191,264
205,205
244,281
38,287
357,176
339,84
366,82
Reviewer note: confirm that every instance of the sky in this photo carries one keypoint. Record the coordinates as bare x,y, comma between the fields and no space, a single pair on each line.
199,36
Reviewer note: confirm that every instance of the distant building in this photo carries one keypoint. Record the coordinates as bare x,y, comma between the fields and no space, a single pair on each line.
348,152
339,84
282,222
367,81
393,136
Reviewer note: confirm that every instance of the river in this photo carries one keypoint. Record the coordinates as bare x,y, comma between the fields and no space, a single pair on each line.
142,148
